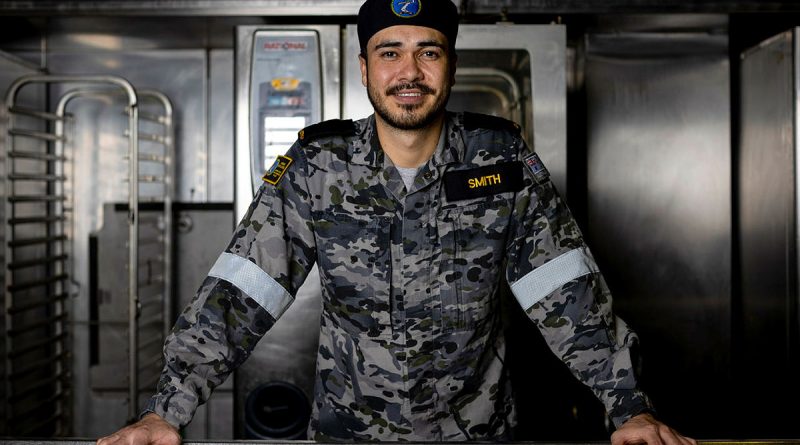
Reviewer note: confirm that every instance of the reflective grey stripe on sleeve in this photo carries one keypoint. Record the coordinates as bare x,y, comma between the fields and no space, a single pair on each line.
253,281
550,276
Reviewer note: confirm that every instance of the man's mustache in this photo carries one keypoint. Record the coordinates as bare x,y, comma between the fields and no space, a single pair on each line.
410,86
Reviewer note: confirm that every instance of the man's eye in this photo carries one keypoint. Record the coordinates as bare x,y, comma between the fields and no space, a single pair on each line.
431,54
389,54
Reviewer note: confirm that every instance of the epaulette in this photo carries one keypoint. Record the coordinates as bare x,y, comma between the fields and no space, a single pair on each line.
333,127
475,121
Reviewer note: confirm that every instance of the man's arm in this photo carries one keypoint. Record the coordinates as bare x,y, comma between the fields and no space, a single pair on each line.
249,287
557,282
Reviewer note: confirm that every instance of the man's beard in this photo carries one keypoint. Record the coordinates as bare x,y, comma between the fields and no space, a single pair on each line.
412,117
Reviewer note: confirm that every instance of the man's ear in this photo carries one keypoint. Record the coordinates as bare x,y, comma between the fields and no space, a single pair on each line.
362,61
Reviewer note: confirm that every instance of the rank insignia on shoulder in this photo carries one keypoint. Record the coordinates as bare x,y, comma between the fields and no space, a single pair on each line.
535,165
474,121
276,172
333,127
483,181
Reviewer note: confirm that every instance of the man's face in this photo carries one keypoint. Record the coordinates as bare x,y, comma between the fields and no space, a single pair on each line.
408,75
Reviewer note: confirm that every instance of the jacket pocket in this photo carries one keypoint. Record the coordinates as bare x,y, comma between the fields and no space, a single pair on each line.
473,241
354,261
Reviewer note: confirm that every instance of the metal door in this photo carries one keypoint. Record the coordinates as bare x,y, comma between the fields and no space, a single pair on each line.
659,206
768,332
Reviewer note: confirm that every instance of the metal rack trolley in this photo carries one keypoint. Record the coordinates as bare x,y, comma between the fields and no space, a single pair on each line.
149,295
40,262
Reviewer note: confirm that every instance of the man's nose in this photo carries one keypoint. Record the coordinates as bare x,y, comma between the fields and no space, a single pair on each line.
409,70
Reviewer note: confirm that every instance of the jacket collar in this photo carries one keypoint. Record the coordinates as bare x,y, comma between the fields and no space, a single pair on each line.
366,148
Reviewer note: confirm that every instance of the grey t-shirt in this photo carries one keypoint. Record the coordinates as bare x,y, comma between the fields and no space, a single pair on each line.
409,173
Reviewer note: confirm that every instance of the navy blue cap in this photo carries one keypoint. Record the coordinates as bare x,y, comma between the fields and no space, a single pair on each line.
375,15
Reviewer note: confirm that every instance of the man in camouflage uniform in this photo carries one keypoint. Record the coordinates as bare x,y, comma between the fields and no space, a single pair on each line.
413,216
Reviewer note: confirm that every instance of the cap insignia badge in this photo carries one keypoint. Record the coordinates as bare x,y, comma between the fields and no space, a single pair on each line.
406,8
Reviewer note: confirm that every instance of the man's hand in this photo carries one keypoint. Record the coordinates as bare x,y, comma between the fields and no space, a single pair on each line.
644,428
150,430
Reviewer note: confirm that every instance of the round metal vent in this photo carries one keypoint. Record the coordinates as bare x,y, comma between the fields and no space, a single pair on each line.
276,410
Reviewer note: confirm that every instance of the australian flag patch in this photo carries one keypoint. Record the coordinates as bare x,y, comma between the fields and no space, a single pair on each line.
535,165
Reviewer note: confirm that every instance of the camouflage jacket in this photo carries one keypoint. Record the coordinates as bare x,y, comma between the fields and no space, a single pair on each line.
410,341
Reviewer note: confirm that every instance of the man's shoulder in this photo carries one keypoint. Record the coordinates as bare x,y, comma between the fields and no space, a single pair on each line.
488,139
327,129
479,121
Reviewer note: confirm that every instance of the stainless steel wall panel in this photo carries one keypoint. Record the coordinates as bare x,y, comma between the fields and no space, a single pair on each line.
220,126
768,233
182,76
114,34
659,206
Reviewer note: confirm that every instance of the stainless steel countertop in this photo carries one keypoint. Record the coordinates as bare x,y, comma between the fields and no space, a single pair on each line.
50,441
